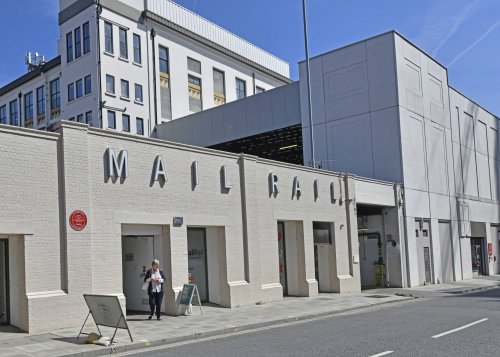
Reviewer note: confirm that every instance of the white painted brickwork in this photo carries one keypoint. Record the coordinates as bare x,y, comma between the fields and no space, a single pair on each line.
66,171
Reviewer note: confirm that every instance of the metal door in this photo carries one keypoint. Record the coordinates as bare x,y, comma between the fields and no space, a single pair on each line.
368,256
282,257
424,255
138,253
197,260
4,282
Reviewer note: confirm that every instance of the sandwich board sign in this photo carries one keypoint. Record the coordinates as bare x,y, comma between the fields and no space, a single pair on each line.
106,311
186,297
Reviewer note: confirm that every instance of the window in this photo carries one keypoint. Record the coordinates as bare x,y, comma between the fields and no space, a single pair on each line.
138,93
194,90
71,92
69,47
125,89
194,65
40,100
219,87
28,109
3,114
165,98
79,88
126,123
163,60
110,84
241,88
88,84
259,90
78,42
108,37
111,119
86,38
55,98
79,118
137,49
13,113
139,126
88,118
123,44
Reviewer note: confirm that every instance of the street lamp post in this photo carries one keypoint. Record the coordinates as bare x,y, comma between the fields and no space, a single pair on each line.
309,97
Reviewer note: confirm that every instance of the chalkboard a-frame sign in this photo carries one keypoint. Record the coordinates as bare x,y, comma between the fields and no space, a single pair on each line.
187,293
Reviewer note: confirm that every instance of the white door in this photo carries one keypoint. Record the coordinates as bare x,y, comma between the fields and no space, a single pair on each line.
138,253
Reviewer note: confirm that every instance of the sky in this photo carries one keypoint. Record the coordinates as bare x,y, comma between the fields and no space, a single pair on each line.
463,35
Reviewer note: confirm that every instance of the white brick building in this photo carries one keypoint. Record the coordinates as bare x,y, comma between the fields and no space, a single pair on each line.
236,210
130,65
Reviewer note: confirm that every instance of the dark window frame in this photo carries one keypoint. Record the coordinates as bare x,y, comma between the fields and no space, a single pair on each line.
108,38
78,42
69,47
111,115
137,49
86,37
123,44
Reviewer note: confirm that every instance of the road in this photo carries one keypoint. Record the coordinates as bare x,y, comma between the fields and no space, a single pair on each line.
451,325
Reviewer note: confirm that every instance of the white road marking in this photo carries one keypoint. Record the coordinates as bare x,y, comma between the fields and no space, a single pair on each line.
382,354
460,328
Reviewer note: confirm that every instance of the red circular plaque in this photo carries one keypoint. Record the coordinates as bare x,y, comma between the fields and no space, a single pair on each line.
78,220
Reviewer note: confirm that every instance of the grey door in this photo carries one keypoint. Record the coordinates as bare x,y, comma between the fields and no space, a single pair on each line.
445,245
197,260
4,282
138,253
423,239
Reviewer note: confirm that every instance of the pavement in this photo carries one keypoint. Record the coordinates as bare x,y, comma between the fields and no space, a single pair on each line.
218,321
453,325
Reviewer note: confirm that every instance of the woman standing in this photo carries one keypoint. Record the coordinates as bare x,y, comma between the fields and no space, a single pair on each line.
156,278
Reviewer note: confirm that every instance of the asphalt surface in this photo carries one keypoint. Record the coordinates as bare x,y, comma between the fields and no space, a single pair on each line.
462,325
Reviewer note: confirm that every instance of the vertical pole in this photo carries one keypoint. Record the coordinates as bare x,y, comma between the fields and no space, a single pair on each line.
309,98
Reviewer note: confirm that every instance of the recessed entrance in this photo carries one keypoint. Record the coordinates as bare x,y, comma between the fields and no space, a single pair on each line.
478,256
4,282
140,245
197,260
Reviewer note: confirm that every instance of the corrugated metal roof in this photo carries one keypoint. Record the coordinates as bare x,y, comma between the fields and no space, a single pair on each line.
187,19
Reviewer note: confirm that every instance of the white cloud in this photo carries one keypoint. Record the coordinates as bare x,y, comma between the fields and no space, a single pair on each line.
442,21
475,43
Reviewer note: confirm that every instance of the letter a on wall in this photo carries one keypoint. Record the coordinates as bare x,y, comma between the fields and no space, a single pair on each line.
297,191
159,170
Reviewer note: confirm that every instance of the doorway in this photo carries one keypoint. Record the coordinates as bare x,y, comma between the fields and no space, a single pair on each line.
424,254
197,260
4,282
282,257
138,253
477,256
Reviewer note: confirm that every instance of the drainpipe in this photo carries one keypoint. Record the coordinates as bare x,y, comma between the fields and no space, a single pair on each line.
155,98
253,84
99,70
149,82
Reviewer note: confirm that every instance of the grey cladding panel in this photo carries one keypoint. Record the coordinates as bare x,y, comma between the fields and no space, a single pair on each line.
351,146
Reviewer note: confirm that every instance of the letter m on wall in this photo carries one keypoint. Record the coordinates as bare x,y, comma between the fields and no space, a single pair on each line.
116,166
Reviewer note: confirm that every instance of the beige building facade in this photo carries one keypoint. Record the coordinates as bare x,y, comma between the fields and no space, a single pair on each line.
262,229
